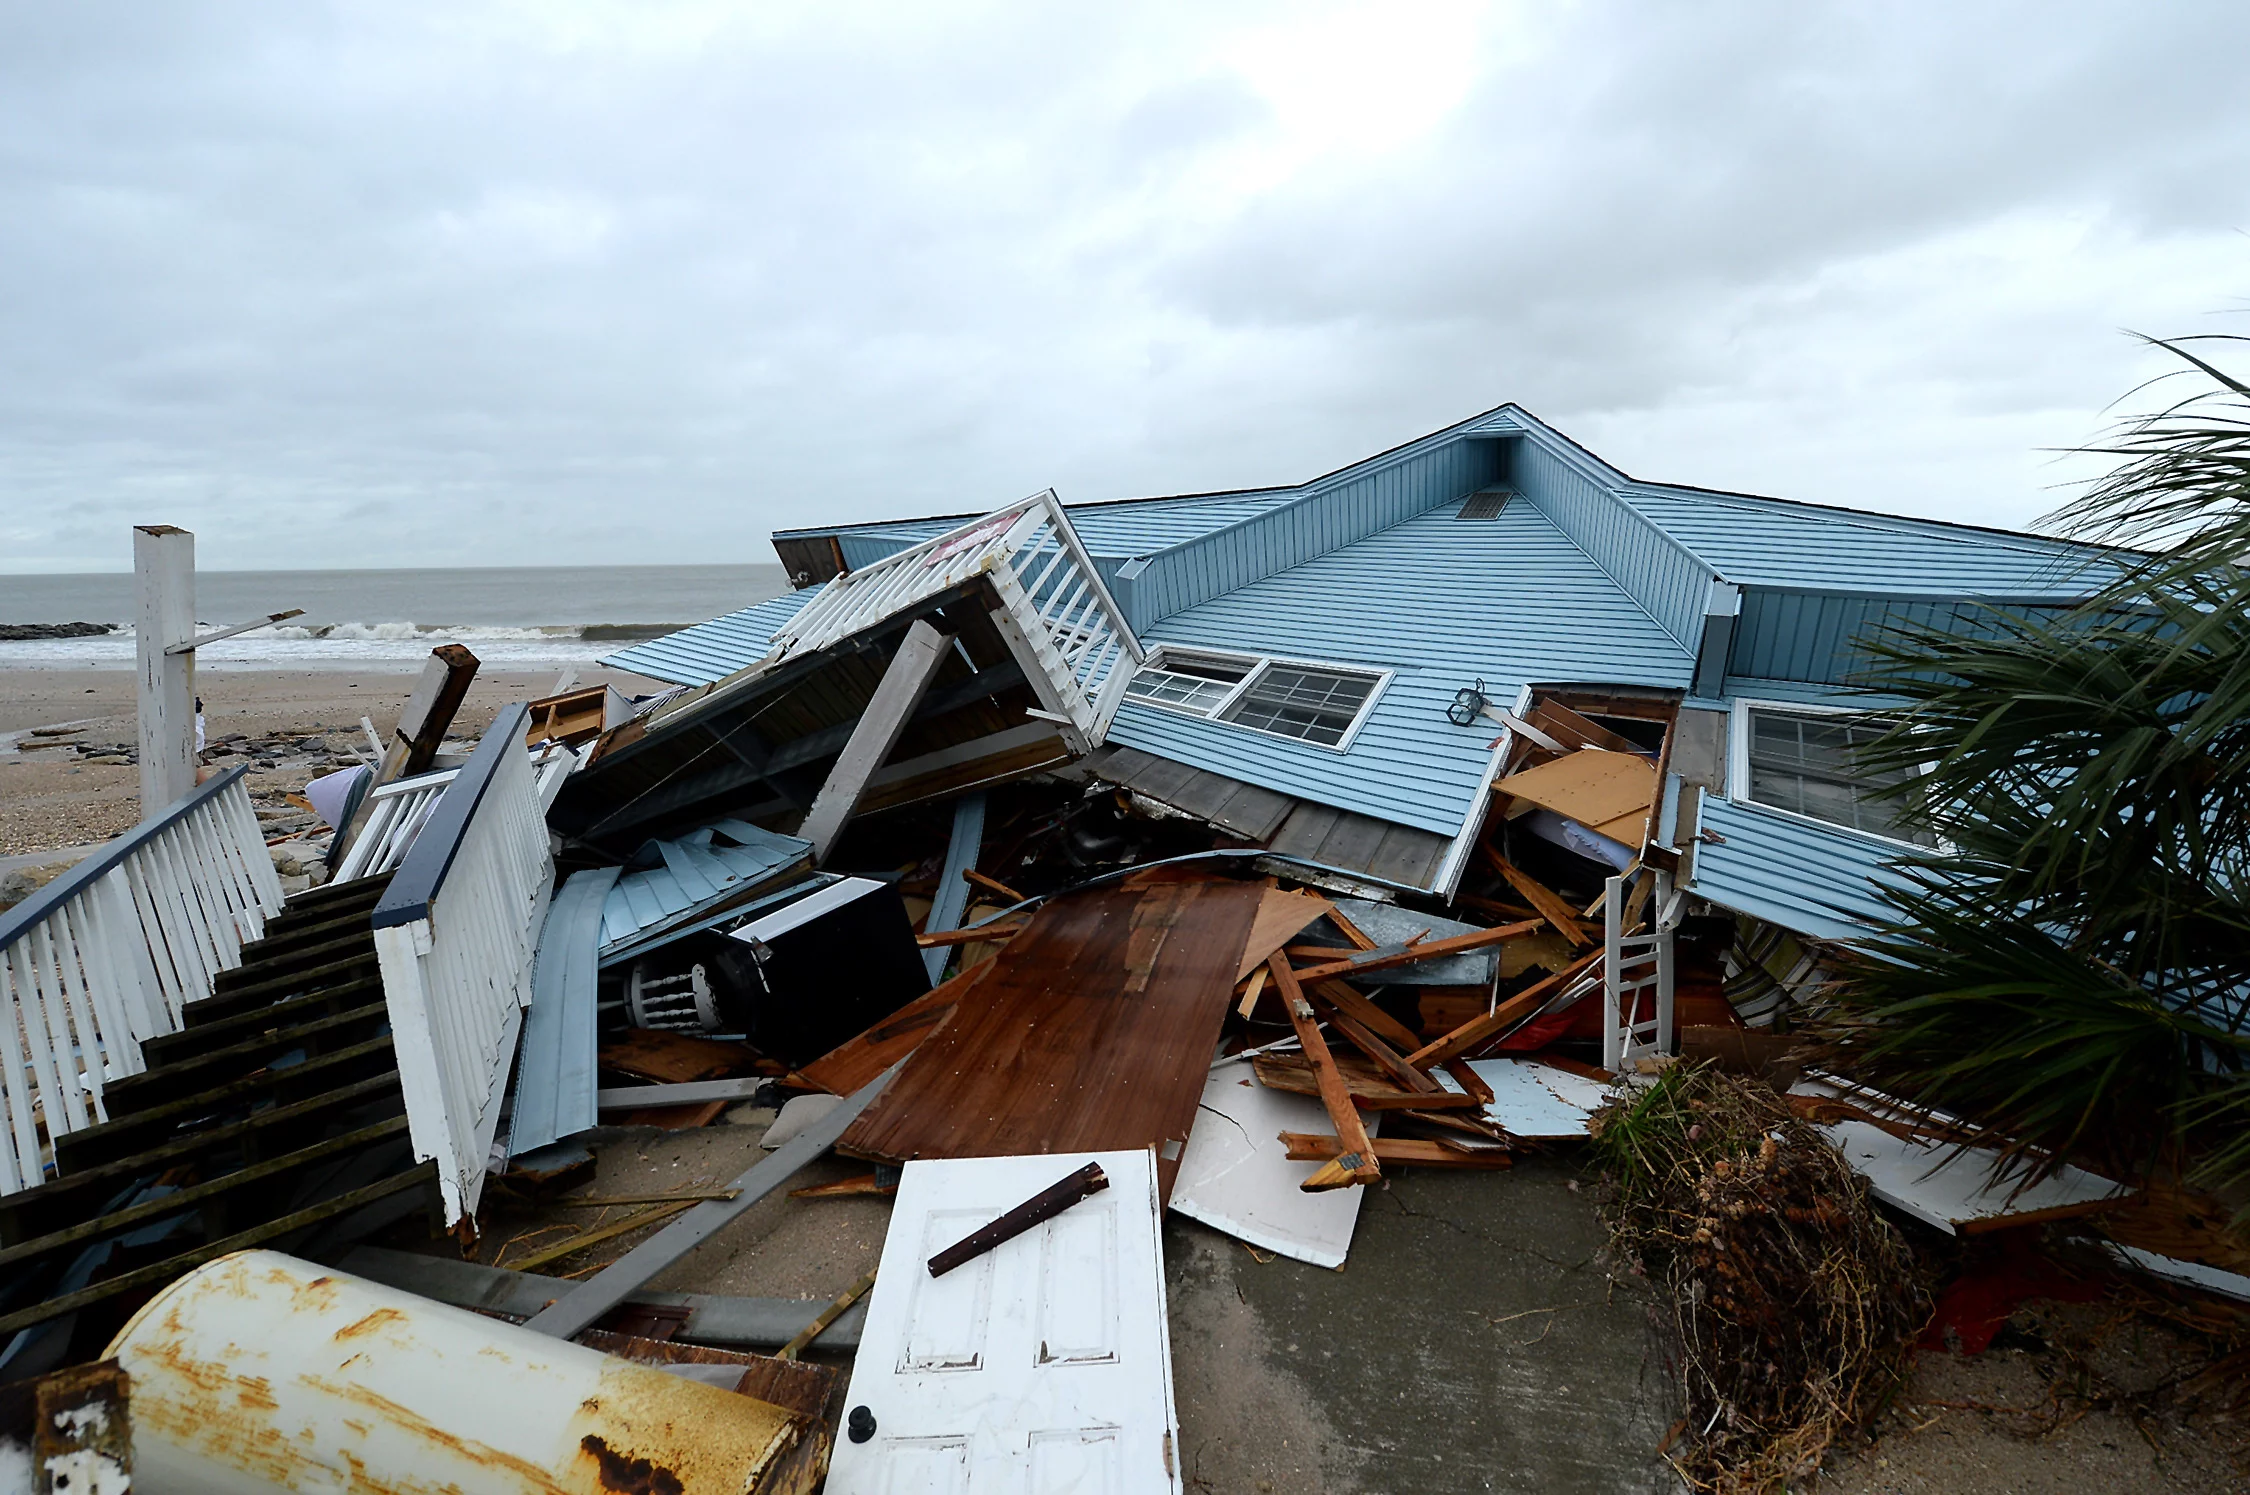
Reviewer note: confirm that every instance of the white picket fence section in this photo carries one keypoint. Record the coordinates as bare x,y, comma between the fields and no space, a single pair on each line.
1061,621
110,953
397,811
1638,976
454,935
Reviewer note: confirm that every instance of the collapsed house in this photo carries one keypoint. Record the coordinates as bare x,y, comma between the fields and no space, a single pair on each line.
1389,819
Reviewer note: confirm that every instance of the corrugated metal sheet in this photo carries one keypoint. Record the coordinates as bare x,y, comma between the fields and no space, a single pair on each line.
1669,581
1800,874
1767,542
1814,636
1440,602
700,869
555,1078
714,650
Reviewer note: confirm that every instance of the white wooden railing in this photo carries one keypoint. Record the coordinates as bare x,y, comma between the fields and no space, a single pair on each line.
110,953
1637,975
454,934
397,811
1060,619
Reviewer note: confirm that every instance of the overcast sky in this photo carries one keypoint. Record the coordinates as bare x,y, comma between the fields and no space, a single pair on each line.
557,283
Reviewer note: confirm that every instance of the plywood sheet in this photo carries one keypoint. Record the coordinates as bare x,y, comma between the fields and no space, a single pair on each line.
1280,917
1589,786
1092,1032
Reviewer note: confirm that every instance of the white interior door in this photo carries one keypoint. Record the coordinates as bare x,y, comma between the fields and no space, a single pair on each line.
1042,1366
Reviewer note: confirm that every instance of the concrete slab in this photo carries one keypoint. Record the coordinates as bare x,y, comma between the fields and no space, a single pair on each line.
1474,1342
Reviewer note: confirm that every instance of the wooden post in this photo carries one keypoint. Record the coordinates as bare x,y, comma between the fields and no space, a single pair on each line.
903,685
437,696
164,578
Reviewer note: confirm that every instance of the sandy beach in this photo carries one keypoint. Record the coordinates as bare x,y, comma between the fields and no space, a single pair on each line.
61,797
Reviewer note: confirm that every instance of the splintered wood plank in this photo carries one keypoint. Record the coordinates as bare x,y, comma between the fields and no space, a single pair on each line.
1091,1033
1472,1034
1382,1053
1545,899
1280,917
1371,1089
1413,1152
973,936
855,1061
1346,998
1574,731
674,1058
1356,1163
1420,950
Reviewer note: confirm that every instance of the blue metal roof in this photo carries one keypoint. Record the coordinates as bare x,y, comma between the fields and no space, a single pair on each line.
1120,528
700,869
714,650
1440,600
1770,543
1800,874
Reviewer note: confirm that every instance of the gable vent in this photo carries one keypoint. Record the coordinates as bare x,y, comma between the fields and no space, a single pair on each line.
1485,505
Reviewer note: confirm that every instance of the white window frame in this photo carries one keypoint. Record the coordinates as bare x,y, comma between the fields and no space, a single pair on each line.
1738,766
1255,669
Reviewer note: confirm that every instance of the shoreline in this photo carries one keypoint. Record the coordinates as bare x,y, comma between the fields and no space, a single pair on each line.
55,798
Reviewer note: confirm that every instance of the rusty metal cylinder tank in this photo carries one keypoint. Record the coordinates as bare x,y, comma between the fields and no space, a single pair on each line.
260,1372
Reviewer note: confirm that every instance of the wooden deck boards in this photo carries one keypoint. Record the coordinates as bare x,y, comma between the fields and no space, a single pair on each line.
1092,1032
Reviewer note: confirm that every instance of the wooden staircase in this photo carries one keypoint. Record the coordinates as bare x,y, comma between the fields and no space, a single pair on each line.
276,1111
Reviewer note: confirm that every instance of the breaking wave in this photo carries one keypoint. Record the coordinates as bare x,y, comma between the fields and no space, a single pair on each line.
347,645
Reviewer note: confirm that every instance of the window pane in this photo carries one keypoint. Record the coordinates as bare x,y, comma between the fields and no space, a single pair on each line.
1316,705
1188,692
1204,667
1807,764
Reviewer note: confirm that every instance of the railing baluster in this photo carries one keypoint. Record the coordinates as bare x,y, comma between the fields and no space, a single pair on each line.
19,1159
108,954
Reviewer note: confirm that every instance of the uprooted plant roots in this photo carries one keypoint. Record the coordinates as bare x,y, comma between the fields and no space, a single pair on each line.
1794,1302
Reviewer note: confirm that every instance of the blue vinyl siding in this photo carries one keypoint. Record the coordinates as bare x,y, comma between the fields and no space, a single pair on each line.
1654,567
1802,875
1816,636
1441,601
714,650
1333,512
1765,542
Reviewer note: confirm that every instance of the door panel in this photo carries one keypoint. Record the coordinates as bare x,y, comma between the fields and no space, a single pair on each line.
1042,1366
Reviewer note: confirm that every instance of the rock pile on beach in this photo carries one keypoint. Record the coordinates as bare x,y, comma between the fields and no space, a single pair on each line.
14,632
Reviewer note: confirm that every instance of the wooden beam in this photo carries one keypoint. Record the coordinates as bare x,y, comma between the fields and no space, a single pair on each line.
972,935
990,884
1406,955
905,681
1383,1054
1478,1031
1347,999
1545,899
1357,1164
430,709
1314,1147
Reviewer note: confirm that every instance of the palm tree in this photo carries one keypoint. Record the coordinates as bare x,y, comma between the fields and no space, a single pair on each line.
2071,973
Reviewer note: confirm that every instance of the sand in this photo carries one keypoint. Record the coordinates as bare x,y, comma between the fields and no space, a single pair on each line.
54,798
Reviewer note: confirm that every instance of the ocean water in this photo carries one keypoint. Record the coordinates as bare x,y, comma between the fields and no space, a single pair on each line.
508,616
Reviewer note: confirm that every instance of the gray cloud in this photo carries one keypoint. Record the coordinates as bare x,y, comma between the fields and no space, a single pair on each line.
396,285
